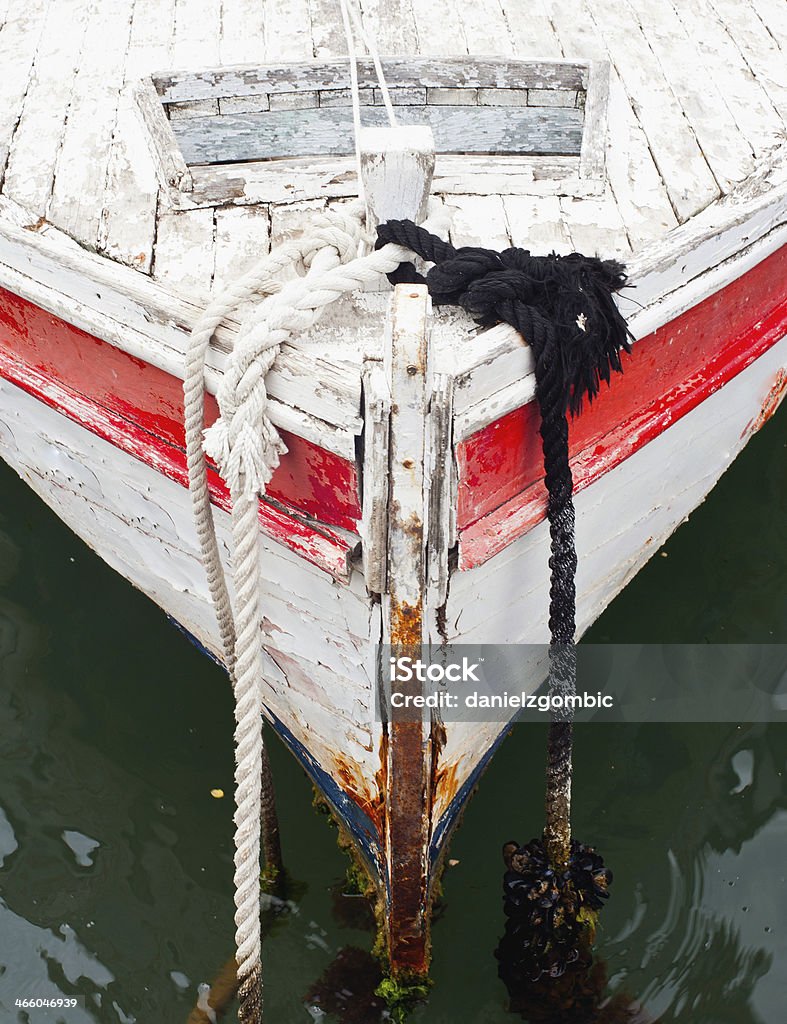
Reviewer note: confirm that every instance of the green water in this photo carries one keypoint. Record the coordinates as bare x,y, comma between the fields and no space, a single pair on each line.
116,876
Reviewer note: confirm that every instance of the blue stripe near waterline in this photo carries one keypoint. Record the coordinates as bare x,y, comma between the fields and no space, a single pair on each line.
352,817
446,823
195,642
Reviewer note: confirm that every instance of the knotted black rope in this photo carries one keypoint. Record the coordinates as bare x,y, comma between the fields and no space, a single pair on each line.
564,308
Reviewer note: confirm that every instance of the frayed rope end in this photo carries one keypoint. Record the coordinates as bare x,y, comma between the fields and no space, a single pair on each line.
249,461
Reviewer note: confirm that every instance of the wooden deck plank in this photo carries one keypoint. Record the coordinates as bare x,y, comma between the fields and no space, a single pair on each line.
536,223
288,31
760,49
486,28
633,174
128,220
327,30
291,220
152,31
242,238
774,16
81,171
440,33
595,226
726,150
534,36
242,31
197,33
724,63
287,222
638,187
36,143
478,220
184,253
681,162
19,41
391,26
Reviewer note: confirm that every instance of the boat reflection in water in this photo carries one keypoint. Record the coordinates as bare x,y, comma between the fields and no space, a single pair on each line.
691,819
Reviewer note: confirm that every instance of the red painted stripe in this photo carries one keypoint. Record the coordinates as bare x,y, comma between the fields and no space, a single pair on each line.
324,547
314,481
501,492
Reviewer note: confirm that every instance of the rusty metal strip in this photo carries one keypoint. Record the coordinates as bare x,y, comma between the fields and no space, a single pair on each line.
407,820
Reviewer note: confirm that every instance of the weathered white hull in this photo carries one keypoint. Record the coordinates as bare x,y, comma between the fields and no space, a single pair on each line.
622,520
322,633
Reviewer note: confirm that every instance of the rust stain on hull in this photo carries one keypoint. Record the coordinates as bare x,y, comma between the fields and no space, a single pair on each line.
372,804
771,403
408,925
444,778
406,622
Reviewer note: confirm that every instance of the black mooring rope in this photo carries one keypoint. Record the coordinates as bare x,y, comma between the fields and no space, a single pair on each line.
564,307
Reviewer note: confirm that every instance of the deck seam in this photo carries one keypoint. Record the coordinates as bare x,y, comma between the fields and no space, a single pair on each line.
23,99
670,90
701,133
37,199
60,209
709,15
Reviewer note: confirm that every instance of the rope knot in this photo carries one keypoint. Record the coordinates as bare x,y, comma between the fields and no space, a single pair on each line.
450,279
562,305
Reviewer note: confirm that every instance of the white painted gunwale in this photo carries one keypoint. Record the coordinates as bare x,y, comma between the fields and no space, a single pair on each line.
646,157
494,369
310,396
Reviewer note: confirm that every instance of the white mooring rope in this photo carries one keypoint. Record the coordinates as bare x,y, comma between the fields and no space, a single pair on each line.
246,448
352,18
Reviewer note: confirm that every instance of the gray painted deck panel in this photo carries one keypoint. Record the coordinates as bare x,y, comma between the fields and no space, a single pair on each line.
459,72
328,130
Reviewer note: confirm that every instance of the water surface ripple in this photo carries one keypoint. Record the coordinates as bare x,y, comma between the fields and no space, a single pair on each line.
116,860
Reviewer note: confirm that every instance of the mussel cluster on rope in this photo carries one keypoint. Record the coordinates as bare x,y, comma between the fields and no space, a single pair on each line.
549,913
565,309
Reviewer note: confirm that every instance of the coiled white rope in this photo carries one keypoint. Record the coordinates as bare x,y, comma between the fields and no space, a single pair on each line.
247,448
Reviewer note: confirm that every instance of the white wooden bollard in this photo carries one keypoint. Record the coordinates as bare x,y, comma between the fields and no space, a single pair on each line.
397,165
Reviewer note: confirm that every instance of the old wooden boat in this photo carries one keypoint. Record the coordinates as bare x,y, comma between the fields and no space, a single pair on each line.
151,150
